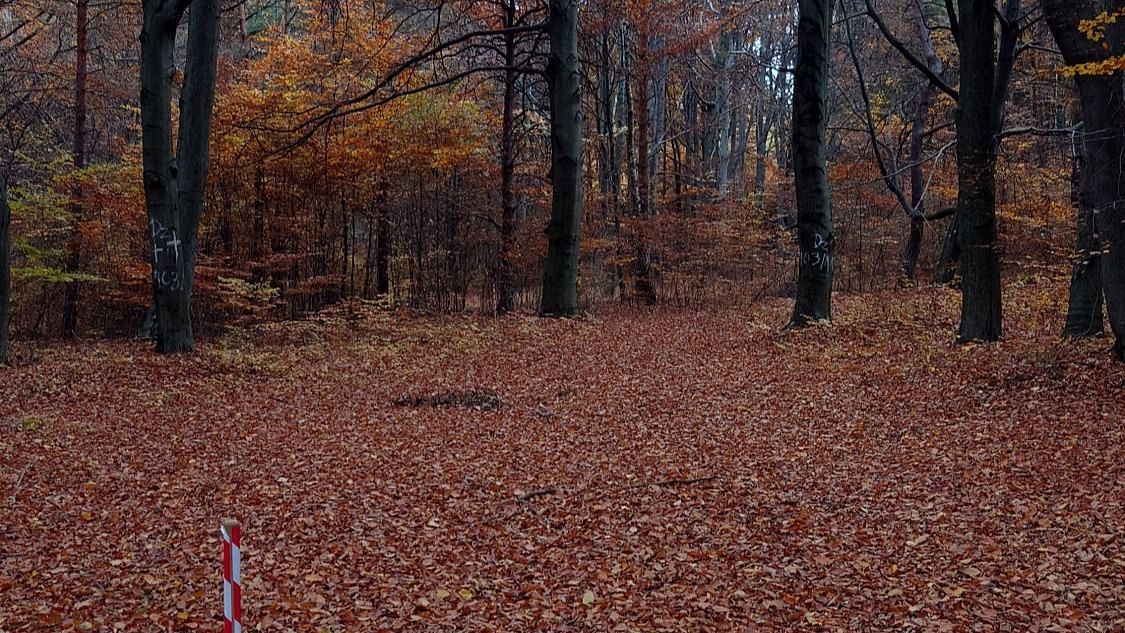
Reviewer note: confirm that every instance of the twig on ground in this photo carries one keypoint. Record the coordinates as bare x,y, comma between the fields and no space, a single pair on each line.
16,485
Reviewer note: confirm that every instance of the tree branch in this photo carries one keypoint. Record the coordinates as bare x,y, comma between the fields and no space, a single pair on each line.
910,57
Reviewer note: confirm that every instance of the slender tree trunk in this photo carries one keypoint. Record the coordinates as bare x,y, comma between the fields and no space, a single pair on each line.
174,183
560,269
981,315
761,137
643,136
642,268
505,299
913,247
723,115
810,118
5,267
922,104
383,253
74,248
693,158
605,116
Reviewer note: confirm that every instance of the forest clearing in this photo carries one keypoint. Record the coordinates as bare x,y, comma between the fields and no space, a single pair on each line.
640,471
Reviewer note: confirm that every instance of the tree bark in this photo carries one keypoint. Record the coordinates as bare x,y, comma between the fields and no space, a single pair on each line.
644,288
724,66
174,183
922,104
981,316
1084,314
74,255
1101,215
560,269
505,299
383,243
810,118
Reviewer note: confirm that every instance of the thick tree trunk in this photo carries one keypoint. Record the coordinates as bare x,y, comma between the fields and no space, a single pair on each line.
1101,215
981,316
174,184
5,267
560,269
1103,114
810,117
74,255
157,43
505,278
1084,314
944,270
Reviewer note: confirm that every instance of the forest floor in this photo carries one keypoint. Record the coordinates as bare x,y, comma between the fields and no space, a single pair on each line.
634,470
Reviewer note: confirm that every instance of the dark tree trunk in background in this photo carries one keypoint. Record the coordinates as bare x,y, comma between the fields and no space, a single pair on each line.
74,248
642,256
560,269
383,255
981,317
810,117
174,183
1100,262
505,278
5,267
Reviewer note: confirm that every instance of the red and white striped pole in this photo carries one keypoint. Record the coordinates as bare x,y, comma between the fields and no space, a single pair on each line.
232,571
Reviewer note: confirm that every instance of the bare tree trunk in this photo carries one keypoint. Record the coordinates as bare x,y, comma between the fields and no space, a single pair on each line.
922,104
722,112
810,118
762,127
505,299
1084,315
174,183
642,269
1100,267
981,315
74,247
560,269
383,244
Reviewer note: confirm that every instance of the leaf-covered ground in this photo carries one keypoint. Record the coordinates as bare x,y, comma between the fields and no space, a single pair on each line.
633,471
